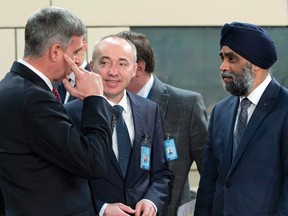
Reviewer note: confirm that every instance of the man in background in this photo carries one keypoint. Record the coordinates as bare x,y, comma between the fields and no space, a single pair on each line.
80,61
184,119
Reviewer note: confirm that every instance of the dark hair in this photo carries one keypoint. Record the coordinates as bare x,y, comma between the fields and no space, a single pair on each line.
49,26
144,49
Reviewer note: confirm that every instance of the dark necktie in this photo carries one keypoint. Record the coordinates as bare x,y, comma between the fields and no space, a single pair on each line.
56,93
123,139
241,124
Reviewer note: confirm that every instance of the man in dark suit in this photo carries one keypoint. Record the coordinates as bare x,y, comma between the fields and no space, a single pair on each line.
80,61
144,188
183,115
44,160
246,161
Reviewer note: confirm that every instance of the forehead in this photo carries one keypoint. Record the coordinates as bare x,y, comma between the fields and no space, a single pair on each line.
115,48
226,51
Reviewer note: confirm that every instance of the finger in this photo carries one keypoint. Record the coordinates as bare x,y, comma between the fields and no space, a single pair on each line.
72,65
138,209
67,85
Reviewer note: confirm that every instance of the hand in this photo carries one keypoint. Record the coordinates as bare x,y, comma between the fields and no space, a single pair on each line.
86,83
145,208
118,209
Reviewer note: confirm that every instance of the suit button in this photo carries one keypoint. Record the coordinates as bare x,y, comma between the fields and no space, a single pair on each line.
228,184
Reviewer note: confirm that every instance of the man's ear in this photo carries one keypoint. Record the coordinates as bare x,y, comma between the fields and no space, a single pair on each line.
140,68
255,68
84,46
55,51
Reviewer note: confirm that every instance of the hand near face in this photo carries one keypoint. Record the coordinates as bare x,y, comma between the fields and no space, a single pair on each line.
118,209
86,83
145,208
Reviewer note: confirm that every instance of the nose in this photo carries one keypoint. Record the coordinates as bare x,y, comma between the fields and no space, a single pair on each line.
224,66
113,70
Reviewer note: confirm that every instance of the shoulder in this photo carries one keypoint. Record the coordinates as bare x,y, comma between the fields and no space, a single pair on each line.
140,101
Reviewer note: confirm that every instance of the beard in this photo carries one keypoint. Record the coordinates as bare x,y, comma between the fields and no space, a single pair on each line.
242,83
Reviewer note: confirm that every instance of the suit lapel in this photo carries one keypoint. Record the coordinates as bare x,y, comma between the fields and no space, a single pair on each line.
138,117
228,145
160,95
263,107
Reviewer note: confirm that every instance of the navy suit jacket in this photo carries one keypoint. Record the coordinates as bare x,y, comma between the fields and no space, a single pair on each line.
44,160
256,181
138,184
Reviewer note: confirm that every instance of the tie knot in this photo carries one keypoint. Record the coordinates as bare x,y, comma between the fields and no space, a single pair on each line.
245,103
119,109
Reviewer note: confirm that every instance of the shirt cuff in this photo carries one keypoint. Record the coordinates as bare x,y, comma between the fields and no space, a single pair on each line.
101,213
152,204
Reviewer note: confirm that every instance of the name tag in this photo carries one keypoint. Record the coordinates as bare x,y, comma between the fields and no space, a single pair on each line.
170,149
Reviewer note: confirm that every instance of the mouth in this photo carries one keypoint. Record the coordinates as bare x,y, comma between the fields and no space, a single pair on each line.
227,77
112,83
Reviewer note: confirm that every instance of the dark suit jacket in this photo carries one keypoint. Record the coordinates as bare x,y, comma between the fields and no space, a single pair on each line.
139,184
184,118
256,182
62,90
44,159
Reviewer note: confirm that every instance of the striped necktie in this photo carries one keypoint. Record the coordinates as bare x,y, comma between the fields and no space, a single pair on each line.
123,139
56,93
241,124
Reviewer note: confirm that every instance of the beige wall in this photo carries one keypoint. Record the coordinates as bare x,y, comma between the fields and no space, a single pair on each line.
106,17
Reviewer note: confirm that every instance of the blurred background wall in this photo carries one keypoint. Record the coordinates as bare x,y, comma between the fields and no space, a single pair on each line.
184,35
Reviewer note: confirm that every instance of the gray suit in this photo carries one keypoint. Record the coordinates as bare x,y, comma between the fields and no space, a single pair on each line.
184,118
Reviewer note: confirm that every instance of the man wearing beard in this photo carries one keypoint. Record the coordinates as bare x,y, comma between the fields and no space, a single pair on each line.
245,168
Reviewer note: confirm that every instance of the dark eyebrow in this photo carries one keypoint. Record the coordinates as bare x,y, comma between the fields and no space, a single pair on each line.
76,51
227,54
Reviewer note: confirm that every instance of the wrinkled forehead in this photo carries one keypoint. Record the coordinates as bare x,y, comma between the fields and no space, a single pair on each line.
114,47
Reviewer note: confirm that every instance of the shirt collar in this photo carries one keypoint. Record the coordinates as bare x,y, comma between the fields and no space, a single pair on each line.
83,65
144,91
256,94
40,74
124,102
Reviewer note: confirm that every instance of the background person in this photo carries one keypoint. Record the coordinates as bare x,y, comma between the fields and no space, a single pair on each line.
80,61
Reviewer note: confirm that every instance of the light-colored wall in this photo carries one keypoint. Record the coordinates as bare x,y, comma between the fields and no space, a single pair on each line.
106,17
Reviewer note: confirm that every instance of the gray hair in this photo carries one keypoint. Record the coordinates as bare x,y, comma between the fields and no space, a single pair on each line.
49,26
114,36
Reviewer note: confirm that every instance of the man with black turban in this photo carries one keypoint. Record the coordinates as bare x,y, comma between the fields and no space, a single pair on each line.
245,169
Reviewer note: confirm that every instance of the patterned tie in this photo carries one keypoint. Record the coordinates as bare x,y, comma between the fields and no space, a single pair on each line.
123,139
56,93
241,124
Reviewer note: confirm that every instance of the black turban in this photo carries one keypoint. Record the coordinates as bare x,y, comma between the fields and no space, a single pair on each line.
251,42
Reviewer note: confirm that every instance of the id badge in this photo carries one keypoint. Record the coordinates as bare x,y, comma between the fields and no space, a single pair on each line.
170,149
145,154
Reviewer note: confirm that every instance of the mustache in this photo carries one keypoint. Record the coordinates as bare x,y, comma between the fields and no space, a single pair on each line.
228,75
